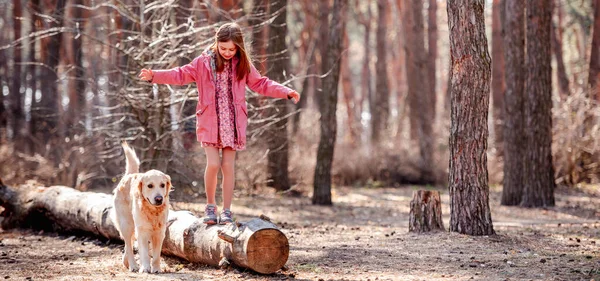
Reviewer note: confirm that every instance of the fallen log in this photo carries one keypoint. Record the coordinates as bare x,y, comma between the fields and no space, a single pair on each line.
257,244
425,212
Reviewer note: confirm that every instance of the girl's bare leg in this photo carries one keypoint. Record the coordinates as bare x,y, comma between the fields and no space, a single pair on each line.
210,174
228,168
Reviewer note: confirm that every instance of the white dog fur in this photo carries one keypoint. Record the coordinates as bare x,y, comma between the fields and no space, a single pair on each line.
141,210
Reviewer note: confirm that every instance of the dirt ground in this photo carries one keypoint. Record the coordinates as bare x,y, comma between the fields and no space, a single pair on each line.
364,236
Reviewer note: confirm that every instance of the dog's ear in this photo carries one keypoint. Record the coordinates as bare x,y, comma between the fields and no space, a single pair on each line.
169,185
140,185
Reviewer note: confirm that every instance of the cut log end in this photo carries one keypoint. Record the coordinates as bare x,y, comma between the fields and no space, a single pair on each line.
425,212
267,251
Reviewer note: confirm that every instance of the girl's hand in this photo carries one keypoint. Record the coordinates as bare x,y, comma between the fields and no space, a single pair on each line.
294,96
146,74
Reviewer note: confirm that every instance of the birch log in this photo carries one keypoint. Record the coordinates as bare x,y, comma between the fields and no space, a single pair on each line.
257,244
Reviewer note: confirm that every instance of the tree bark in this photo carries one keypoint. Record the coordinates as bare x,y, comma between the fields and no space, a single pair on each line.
498,83
514,124
348,93
277,135
471,73
366,90
310,49
432,52
380,110
77,95
328,106
188,136
418,92
16,99
257,244
3,79
594,75
539,171
34,10
49,106
563,79
425,212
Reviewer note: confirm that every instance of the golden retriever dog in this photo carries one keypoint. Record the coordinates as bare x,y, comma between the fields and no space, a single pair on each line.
140,212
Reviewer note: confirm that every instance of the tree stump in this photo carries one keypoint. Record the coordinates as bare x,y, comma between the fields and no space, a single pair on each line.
258,244
425,212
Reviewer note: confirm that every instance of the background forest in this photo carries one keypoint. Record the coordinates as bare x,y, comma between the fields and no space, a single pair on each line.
70,92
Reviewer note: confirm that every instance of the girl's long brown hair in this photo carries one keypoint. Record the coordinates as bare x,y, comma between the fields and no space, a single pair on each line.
233,32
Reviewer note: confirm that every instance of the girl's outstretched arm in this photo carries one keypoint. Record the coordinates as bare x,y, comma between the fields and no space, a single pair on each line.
268,87
176,76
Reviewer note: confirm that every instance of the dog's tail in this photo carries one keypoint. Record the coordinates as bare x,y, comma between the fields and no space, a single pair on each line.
132,162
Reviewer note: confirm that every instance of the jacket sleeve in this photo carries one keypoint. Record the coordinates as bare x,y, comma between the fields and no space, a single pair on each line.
264,86
179,75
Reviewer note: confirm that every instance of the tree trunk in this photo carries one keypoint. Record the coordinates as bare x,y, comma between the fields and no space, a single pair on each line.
471,73
418,92
563,79
498,83
277,135
77,95
232,9
3,77
594,75
328,106
539,171
34,7
257,244
348,93
514,124
366,91
188,136
308,50
49,107
381,109
425,212
432,51
16,99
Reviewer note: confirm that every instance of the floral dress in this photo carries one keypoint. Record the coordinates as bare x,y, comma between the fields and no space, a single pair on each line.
225,111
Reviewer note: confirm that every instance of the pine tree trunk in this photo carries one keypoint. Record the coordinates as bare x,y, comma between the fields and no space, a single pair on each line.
348,93
188,135
514,124
432,51
498,84
418,92
471,73
380,112
49,107
277,135
366,75
34,6
594,75
539,171
425,212
16,99
77,96
563,79
3,78
257,244
328,106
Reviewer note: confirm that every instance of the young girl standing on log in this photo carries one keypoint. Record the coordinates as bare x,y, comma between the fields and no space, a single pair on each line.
221,74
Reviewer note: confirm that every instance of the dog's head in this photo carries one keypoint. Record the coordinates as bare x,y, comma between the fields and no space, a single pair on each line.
154,186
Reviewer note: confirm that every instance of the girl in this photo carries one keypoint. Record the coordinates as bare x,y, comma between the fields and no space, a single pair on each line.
221,74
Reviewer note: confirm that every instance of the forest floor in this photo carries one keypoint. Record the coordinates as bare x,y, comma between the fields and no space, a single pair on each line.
363,236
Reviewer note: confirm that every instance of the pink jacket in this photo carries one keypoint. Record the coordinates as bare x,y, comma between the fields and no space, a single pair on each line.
199,71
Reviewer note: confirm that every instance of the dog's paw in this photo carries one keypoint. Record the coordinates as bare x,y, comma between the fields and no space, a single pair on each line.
156,269
144,269
133,268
